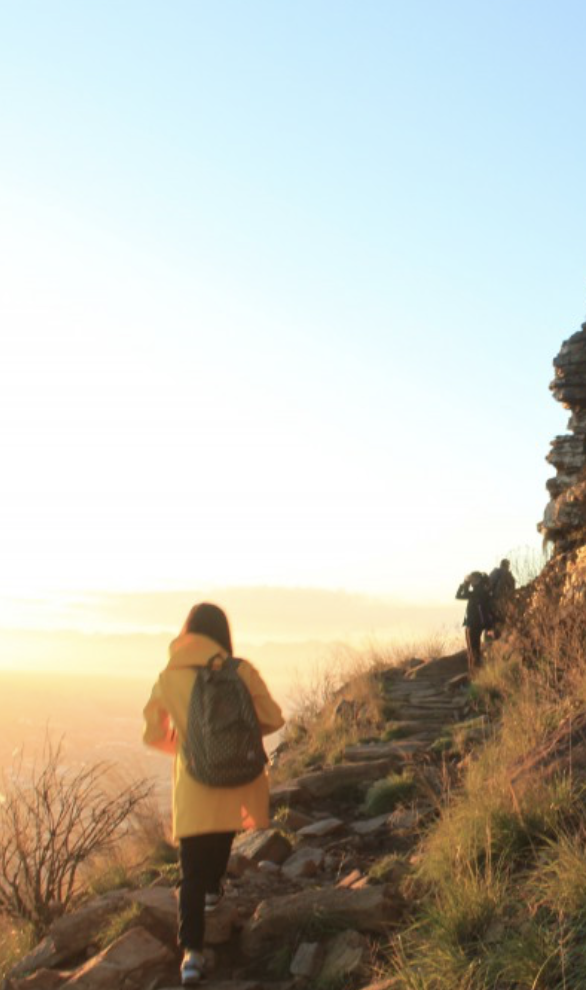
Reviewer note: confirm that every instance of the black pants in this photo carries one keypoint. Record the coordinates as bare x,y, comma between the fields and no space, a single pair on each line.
203,860
473,637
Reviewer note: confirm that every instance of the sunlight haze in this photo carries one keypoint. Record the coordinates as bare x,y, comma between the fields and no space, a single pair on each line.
282,286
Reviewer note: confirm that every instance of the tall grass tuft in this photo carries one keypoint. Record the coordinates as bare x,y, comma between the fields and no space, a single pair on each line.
386,794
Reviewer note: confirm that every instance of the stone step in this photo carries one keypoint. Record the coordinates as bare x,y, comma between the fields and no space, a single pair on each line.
403,726
377,751
435,714
420,688
445,705
441,669
276,920
323,783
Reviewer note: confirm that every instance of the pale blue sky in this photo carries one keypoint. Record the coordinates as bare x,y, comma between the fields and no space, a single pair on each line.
283,285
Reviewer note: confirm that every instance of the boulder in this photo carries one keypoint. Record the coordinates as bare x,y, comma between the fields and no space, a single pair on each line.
158,910
292,819
396,750
267,844
324,826
370,825
441,668
373,909
458,682
346,955
567,454
568,511
289,793
304,862
129,963
402,729
307,960
221,922
43,979
238,865
268,867
326,782
71,934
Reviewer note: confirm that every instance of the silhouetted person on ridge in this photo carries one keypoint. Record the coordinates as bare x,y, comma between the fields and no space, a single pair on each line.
475,589
502,589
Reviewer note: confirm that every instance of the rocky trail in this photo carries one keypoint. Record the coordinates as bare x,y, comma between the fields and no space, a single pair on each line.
309,903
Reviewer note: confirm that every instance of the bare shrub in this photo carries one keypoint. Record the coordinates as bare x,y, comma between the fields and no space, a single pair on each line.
50,825
527,563
145,850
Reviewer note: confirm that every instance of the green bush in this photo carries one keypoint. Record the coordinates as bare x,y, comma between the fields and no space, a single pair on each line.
386,794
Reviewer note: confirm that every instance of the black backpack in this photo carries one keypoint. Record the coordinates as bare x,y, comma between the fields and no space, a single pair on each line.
224,746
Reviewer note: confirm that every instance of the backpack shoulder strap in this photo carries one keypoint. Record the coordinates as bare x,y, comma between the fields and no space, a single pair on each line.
226,663
212,665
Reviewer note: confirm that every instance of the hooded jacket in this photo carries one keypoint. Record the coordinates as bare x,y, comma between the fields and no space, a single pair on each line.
479,613
197,808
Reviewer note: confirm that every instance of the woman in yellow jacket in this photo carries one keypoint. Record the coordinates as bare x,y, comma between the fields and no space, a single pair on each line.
205,819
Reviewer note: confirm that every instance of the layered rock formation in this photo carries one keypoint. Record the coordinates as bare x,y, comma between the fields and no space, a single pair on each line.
564,520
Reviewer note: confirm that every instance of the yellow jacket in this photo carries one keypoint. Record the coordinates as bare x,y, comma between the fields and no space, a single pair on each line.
198,808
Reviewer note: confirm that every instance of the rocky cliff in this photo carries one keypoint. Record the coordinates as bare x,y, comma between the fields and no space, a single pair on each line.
564,521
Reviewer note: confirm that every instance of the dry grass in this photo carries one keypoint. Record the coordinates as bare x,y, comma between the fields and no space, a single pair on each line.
118,924
15,941
346,666
503,870
144,854
322,683
439,644
339,701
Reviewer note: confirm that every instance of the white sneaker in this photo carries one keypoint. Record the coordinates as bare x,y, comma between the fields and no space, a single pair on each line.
212,900
192,967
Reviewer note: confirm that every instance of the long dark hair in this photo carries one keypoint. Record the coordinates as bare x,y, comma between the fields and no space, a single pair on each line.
210,621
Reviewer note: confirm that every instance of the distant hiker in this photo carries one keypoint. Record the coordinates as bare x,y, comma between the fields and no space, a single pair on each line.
205,817
475,590
502,589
